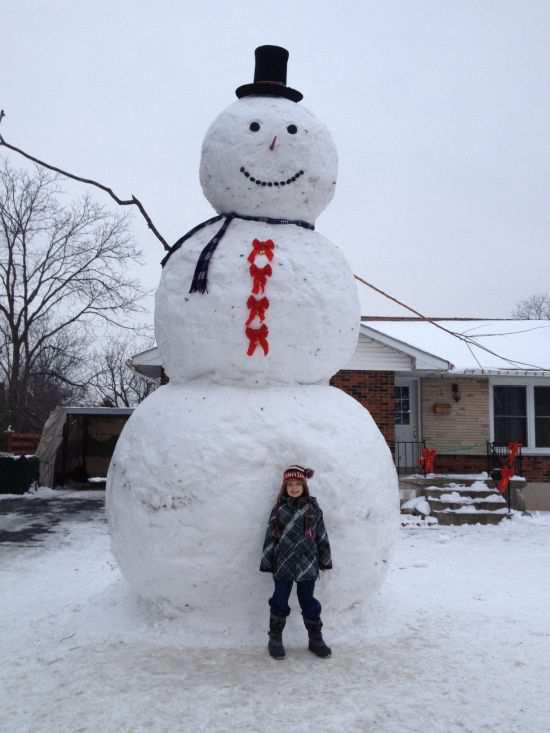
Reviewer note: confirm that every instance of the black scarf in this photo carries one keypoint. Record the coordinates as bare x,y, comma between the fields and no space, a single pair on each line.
200,278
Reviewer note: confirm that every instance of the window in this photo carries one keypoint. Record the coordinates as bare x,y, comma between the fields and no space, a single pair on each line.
521,412
402,406
510,414
542,417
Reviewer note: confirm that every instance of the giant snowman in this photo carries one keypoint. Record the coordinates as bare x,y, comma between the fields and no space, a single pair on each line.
255,312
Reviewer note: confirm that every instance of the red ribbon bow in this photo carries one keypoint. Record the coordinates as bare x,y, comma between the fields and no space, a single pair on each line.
261,248
260,275
257,308
257,337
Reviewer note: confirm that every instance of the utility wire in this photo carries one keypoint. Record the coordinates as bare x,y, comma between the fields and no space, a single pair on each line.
466,339
503,333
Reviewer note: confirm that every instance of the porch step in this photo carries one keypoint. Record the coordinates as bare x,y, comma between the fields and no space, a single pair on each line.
469,493
452,501
444,483
480,506
494,517
473,504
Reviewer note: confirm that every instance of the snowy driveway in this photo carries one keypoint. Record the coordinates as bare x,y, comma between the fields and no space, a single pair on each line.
30,518
460,642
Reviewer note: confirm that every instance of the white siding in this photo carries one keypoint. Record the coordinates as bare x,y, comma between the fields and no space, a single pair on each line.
371,356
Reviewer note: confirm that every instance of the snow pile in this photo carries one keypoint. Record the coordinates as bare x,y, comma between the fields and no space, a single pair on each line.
492,498
457,487
418,520
35,492
454,497
418,505
470,509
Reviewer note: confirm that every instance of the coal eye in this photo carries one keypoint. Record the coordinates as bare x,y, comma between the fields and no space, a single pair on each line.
254,126
292,129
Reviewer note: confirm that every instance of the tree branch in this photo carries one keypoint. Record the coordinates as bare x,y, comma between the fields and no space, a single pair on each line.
134,201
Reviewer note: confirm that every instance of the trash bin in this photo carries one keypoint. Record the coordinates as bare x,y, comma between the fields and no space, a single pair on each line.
17,473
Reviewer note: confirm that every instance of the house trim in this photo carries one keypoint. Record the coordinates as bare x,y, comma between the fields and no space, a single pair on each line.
422,360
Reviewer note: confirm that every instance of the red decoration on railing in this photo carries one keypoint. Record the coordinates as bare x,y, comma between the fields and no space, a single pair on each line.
259,276
506,474
513,450
256,308
257,337
427,459
261,248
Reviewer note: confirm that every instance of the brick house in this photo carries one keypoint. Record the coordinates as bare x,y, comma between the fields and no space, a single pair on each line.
424,386
455,397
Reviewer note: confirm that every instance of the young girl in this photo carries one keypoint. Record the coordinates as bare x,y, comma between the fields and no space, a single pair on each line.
296,547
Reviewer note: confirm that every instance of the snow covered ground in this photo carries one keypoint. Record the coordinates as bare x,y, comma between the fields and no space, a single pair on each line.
460,641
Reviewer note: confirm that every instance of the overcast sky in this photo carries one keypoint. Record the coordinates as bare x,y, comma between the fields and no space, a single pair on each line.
440,112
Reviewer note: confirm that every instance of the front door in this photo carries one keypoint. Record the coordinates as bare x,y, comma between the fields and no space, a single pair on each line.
407,446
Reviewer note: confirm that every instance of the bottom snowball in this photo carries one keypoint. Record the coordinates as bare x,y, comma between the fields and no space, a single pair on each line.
193,478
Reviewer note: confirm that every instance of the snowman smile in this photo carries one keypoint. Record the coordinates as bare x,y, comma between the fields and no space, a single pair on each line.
259,182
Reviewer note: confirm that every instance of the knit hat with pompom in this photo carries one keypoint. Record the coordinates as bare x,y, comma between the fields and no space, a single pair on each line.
297,473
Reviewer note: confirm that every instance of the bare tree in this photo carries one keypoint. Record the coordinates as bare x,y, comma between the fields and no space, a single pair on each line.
115,382
535,307
59,376
62,269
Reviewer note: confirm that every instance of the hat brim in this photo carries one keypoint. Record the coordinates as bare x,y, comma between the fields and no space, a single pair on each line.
268,89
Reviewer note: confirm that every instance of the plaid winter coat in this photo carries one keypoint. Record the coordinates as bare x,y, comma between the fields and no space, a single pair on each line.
296,543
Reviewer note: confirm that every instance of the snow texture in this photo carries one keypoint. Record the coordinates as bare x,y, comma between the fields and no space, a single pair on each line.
192,481
458,642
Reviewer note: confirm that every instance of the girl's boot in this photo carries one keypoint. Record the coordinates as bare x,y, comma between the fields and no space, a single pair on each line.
275,645
316,641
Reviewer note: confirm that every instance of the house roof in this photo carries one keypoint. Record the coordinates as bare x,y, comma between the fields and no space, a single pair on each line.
148,363
519,347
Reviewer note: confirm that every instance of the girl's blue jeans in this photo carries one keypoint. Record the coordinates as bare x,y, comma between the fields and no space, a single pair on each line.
311,608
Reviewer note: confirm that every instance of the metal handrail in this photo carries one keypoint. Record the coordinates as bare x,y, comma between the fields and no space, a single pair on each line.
497,454
406,454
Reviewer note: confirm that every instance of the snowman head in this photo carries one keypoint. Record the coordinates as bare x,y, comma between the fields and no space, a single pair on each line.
268,155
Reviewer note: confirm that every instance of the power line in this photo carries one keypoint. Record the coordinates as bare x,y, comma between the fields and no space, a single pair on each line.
466,339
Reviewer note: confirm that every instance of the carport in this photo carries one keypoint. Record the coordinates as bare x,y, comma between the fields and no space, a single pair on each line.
77,444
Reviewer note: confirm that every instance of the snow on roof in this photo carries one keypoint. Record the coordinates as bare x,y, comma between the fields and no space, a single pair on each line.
523,345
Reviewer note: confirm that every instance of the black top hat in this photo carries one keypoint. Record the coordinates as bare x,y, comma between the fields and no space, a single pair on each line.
270,75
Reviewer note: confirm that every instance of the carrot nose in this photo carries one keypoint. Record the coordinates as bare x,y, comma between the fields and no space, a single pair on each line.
272,146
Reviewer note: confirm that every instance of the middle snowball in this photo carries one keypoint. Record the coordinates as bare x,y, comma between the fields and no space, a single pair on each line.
313,317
